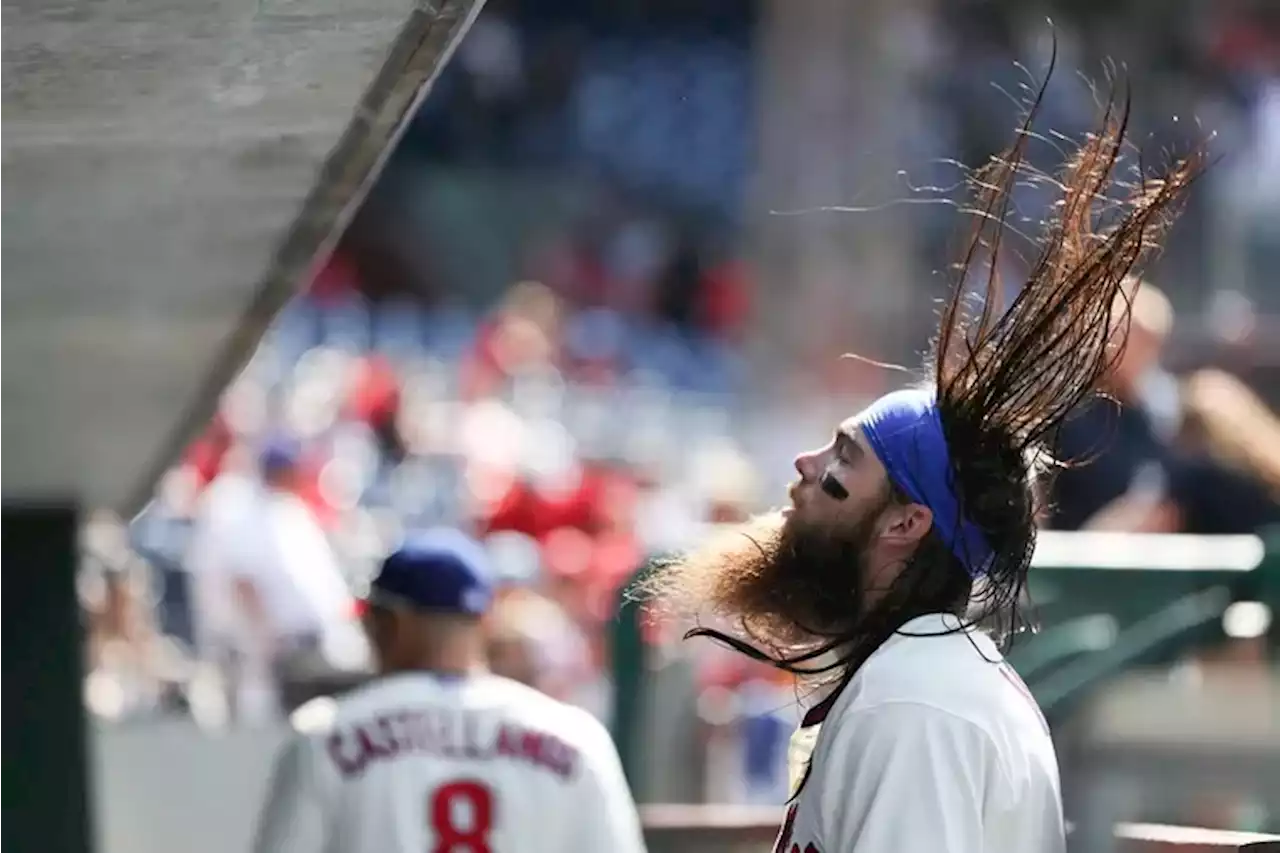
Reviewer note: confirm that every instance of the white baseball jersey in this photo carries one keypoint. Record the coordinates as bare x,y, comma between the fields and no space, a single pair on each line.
934,745
418,763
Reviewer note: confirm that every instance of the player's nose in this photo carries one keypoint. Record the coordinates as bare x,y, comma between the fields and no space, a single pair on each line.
807,466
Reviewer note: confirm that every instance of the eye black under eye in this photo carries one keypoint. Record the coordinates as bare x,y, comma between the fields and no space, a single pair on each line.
833,487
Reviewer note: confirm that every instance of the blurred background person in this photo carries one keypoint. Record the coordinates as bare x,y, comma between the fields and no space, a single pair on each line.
1137,477
272,595
532,640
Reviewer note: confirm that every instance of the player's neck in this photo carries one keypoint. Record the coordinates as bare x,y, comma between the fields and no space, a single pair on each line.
456,658
442,670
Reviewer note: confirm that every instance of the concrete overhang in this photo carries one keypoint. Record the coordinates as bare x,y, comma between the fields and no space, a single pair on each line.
172,170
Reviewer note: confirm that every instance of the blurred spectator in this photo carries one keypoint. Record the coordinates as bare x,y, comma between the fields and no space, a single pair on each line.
205,455
219,517
271,592
1135,478
1228,421
522,337
375,400
532,640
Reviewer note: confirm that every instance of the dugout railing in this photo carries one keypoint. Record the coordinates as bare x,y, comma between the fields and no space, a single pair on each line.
1112,605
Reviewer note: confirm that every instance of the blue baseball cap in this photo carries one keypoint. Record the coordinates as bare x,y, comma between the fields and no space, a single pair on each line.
279,454
441,570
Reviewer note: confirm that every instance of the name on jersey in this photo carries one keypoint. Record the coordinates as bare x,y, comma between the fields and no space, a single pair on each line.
448,734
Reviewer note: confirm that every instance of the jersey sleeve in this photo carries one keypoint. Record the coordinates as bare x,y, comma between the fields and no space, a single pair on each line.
608,812
292,816
903,776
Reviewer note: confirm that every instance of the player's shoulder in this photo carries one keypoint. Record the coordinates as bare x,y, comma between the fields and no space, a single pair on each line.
485,694
325,713
315,717
952,679
931,657
934,664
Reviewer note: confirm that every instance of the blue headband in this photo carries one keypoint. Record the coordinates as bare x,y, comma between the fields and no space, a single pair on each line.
905,432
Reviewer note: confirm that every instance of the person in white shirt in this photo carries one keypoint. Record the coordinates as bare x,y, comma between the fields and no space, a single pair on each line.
290,585
272,596
436,754
222,512
913,528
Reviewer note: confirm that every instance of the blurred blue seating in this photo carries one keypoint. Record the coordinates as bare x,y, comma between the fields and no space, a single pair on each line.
399,329
672,114
449,332
295,330
347,325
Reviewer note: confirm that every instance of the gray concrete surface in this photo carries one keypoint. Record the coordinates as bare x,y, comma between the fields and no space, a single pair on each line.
171,171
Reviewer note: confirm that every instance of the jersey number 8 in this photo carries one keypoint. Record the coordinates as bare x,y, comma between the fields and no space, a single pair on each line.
461,813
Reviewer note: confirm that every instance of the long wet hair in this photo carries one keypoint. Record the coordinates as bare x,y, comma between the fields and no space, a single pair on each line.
1007,377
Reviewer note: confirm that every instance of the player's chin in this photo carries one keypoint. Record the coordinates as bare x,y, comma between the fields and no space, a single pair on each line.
789,518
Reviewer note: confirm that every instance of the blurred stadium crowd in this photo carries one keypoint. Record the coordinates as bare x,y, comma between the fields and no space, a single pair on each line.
597,411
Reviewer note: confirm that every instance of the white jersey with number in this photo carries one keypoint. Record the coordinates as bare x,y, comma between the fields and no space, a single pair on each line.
934,745
417,763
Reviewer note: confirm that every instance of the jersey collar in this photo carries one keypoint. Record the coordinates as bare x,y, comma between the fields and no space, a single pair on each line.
921,626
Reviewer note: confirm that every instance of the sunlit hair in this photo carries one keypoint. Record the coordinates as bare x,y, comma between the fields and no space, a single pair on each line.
1007,378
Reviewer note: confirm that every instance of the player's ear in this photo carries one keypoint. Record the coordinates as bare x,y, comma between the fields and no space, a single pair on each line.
379,626
905,524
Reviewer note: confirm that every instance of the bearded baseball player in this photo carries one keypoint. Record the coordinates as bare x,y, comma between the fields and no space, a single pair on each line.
437,755
895,575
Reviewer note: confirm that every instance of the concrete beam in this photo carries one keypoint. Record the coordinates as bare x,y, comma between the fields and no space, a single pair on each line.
171,172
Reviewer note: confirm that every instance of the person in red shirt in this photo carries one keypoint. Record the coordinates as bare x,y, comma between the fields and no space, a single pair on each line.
524,333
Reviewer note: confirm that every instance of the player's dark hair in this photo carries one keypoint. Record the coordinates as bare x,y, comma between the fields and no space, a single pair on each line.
1007,377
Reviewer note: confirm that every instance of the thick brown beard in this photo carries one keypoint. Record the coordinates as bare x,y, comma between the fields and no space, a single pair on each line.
784,584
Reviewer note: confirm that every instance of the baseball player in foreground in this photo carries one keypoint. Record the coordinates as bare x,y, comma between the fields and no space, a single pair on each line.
437,755
909,537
